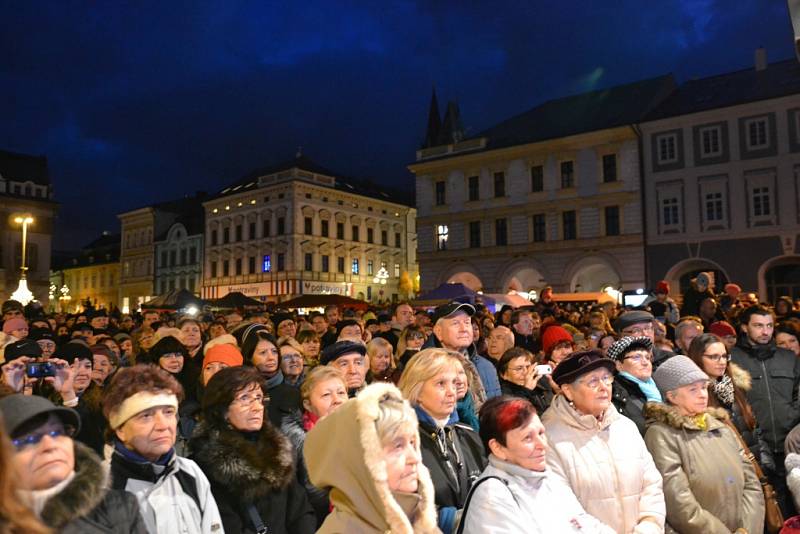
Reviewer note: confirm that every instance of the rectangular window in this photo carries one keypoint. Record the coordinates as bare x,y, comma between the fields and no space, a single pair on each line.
500,232
569,225
370,268
441,237
397,240
710,142
213,269
213,237
281,261
384,238
473,185
397,270
267,265
183,256
238,266
567,175
670,212
340,262
612,220
757,134
539,228
714,207
308,225
251,265
475,234
354,267
192,255
355,233
190,284
226,267
667,148
266,228
537,179
226,235
251,231
370,235
281,225
761,202
309,261
440,197
325,228
238,233
339,230
609,168
499,184
164,258
173,257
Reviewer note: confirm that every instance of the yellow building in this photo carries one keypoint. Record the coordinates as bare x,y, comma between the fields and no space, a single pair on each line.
90,277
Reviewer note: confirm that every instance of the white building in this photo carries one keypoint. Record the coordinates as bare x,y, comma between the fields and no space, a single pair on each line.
179,255
298,228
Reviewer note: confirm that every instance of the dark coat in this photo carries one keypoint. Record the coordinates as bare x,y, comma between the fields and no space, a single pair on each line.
87,506
93,423
629,400
260,473
541,396
776,376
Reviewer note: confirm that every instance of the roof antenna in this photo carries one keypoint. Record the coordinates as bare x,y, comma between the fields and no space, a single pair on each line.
299,153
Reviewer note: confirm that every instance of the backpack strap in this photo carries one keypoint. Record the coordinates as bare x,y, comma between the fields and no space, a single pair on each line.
477,483
255,518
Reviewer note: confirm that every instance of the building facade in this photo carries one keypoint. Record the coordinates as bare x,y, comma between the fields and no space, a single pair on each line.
91,277
548,197
722,175
25,189
298,228
179,258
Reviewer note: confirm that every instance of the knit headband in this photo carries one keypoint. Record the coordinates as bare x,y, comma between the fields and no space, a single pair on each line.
138,403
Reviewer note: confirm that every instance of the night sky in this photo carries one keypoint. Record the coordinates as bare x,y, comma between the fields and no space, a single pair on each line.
139,102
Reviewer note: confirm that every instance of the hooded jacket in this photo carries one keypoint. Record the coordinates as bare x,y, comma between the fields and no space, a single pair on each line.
629,400
709,485
87,506
258,473
344,453
607,466
775,373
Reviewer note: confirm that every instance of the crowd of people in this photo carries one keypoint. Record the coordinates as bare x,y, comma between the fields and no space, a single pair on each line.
668,417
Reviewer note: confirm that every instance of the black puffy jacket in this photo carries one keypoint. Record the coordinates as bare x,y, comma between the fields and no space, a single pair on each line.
541,396
629,400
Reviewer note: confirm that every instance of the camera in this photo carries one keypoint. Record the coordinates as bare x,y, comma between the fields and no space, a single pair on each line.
40,369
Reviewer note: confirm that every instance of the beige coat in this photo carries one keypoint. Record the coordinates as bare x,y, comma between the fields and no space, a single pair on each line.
709,485
343,453
607,466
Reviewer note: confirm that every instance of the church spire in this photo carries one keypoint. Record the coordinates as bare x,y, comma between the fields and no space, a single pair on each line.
434,123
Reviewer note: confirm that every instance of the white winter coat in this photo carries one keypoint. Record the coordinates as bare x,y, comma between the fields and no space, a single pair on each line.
607,465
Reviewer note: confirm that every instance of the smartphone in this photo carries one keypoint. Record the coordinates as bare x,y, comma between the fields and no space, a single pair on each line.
40,369
544,369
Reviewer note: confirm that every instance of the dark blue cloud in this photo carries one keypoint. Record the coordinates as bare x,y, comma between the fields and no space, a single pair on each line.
137,102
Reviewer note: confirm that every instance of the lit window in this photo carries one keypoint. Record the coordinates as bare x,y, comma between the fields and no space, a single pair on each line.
267,267
355,265
441,237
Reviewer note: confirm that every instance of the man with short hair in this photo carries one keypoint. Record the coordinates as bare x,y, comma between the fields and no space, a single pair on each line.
12,308
773,396
351,359
402,315
686,330
99,320
320,324
637,323
522,323
150,317
452,329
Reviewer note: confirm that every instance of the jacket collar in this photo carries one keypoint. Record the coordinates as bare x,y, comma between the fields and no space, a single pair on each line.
425,418
530,477
669,415
563,411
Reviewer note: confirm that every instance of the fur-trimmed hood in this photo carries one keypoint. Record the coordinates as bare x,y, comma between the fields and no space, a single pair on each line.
84,492
657,412
251,469
740,377
344,452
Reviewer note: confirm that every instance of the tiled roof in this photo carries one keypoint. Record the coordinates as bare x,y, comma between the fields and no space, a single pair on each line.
23,167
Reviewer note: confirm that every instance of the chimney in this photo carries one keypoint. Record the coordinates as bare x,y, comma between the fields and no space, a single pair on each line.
761,58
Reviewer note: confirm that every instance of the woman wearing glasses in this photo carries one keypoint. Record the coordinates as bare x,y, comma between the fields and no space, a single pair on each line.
518,378
633,385
599,453
248,461
728,387
710,486
60,480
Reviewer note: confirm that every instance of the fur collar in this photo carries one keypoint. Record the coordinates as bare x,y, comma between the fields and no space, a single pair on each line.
740,377
86,490
669,415
250,469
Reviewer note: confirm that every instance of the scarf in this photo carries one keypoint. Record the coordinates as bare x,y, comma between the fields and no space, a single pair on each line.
649,387
36,499
309,420
723,389
700,421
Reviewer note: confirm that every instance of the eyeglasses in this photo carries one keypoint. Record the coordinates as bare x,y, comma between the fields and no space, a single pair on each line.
639,358
290,357
33,439
416,335
638,330
594,383
718,357
249,400
520,368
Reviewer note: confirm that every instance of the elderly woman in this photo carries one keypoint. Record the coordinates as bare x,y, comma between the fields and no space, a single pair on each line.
62,481
709,484
518,378
633,385
247,460
374,472
450,450
381,368
598,452
499,340
292,361
515,492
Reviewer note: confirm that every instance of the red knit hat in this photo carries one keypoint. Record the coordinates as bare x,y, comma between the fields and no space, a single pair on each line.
722,329
552,336
662,287
225,354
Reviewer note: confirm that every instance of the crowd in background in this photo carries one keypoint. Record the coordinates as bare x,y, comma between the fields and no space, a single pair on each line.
674,416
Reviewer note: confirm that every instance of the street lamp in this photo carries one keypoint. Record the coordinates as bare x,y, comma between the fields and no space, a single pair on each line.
380,278
23,294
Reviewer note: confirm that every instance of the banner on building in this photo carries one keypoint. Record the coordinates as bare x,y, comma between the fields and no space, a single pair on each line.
326,288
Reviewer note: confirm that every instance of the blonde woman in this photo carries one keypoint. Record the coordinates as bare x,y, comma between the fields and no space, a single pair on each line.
452,451
292,359
381,365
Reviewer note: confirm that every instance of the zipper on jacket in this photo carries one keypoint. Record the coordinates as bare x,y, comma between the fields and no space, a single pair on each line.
617,488
769,398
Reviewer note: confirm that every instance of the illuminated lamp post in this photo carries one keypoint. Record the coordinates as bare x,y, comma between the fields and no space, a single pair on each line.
23,294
